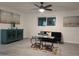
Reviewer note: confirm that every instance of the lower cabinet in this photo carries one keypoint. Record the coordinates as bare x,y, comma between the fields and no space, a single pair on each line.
10,35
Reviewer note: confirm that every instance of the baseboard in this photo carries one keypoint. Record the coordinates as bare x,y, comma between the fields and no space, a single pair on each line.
61,42
71,42
26,38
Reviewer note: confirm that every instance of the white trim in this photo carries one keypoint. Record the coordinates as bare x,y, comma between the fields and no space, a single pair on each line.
71,42
26,38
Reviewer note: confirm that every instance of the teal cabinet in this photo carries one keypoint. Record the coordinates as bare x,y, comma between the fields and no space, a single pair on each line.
10,35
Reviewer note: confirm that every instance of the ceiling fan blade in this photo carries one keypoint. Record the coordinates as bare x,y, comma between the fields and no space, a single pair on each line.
37,5
47,6
49,9
41,6
41,3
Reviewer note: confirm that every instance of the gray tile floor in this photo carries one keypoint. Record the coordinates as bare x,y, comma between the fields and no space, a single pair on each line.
22,48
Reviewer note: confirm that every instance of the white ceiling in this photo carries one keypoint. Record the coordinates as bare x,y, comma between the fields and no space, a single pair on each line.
29,6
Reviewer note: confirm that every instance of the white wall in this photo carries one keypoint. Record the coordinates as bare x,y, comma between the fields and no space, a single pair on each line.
32,23
70,34
29,22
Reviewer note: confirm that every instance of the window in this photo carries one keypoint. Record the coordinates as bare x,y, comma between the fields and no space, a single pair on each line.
42,21
46,21
51,21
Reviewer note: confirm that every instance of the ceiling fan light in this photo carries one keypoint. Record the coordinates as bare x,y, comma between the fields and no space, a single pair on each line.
41,10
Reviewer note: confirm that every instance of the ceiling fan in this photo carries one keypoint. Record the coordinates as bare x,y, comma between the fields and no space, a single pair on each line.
42,8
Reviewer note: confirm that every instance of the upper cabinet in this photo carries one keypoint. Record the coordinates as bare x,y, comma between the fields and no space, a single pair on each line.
9,17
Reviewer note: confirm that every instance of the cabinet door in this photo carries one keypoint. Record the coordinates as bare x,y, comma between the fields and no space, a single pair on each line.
3,36
11,35
20,34
16,18
6,17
